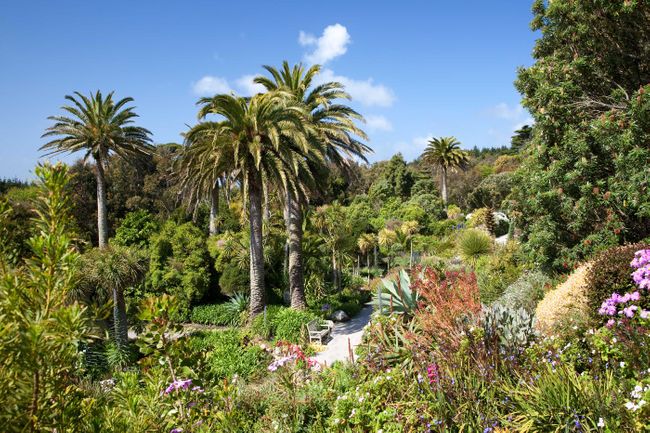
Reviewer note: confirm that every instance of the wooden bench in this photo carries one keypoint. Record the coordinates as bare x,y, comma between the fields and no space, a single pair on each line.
319,332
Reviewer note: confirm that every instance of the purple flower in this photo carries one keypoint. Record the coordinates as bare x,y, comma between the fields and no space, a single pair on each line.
176,430
178,384
629,311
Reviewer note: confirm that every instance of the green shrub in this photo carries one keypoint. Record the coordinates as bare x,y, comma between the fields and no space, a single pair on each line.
228,354
349,300
136,229
290,324
611,272
473,244
263,325
215,314
233,279
526,292
495,272
180,264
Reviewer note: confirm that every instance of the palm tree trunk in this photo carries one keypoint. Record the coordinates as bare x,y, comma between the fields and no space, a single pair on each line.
267,211
444,185
120,326
102,215
257,295
368,265
214,209
296,275
375,254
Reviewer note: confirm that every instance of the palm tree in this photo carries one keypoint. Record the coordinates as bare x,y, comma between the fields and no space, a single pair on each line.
111,270
332,130
256,131
387,238
408,229
100,127
366,243
445,154
203,166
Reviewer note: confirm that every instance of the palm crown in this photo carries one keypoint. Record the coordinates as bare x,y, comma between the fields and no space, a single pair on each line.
445,152
98,125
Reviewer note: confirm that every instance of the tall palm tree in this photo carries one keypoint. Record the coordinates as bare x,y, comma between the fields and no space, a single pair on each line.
101,127
446,155
203,166
332,130
366,243
256,131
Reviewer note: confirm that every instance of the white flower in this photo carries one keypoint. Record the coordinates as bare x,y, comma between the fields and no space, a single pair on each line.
630,406
354,412
622,364
601,423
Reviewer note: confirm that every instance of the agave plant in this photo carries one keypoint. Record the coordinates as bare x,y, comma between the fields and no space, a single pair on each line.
396,296
237,305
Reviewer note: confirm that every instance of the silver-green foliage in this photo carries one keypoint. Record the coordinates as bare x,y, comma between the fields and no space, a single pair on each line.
526,292
396,296
512,329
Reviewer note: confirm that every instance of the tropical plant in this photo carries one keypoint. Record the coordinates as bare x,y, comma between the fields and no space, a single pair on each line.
204,165
473,244
367,243
258,130
396,296
113,269
332,130
100,127
238,304
446,155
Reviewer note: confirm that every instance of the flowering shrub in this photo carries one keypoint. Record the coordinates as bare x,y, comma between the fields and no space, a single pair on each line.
286,353
610,273
641,262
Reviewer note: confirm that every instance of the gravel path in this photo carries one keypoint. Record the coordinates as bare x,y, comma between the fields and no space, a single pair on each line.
337,348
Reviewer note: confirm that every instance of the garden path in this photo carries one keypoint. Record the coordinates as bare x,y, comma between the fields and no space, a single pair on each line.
337,348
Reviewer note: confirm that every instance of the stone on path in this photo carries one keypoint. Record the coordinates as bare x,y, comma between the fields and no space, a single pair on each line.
340,316
344,336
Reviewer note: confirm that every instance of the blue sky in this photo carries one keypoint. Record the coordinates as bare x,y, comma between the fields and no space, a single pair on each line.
415,69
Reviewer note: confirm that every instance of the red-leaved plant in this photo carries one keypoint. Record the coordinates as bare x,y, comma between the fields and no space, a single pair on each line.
448,302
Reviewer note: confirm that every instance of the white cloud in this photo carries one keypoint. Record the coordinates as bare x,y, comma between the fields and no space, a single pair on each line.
248,86
378,123
364,91
422,142
511,119
333,43
209,85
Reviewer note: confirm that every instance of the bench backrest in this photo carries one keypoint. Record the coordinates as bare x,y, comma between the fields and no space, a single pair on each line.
313,325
